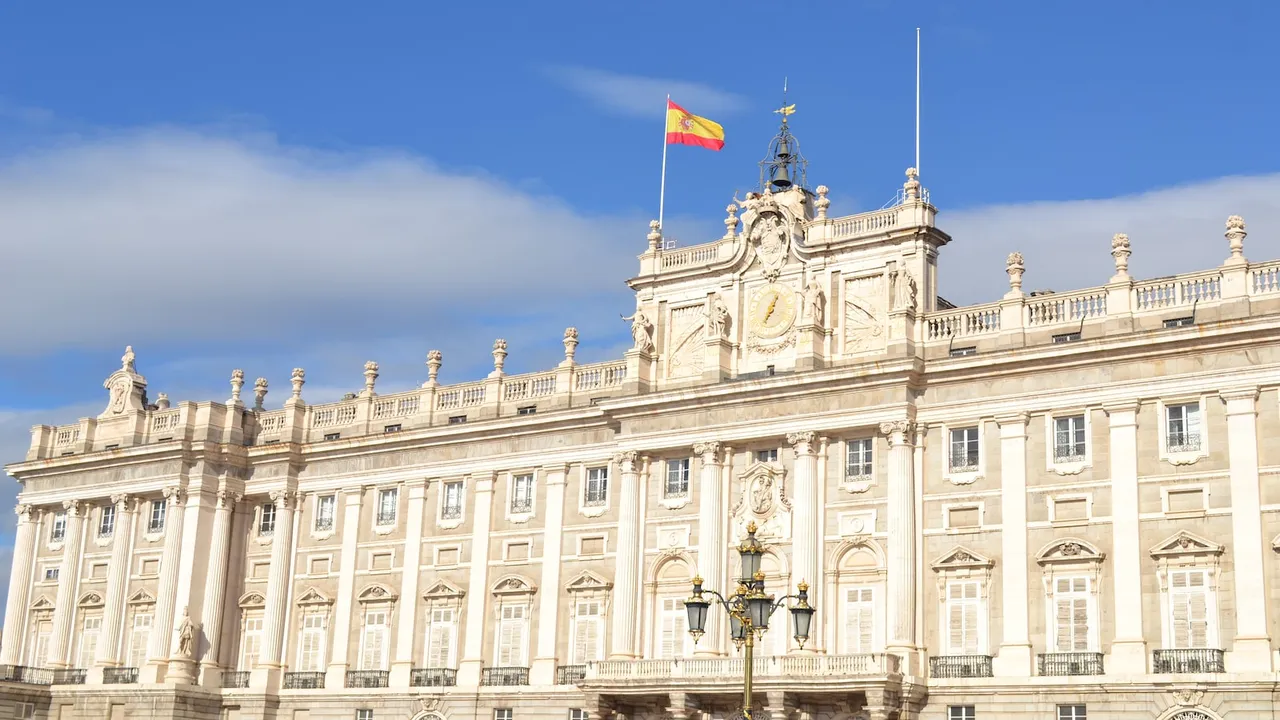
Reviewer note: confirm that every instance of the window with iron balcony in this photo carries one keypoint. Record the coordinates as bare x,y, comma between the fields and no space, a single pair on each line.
964,450
107,521
1182,428
858,459
325,506
1069,439
267,520
452,508
387,501
597,489
156,523
677,485
59,529
522,494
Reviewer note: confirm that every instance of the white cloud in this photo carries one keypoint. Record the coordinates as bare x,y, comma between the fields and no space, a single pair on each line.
645,97
1067,245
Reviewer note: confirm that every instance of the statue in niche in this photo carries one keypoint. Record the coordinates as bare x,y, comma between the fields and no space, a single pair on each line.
641,331
814,302
717,317
904,288
186,636
762,494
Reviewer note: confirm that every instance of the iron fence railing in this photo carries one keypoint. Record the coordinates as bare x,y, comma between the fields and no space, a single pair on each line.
960,666
368,678
1188,660
1070,663
433,677
304,681
119,676
505,676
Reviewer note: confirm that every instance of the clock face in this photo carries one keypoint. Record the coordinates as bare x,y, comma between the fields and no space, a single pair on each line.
773,309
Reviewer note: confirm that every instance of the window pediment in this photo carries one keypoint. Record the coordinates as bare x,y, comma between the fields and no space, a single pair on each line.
91,600
1069,551
588,582
376,593
252,600
513,585
42,603
442,590
313,597
961,558
142,597
1186,545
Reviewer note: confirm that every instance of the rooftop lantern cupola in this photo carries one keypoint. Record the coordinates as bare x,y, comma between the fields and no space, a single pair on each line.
784,166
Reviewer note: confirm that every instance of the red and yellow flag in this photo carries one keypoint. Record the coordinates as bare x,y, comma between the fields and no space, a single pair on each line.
685,128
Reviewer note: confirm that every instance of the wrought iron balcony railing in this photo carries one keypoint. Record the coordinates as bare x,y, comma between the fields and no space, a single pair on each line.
69,676
304,681
960,666
324,524
1181,442
1072,663
119,676
963,462
451,512
1188,660
522,505
433,677
570,674
595,497
27,675
235,679
505,676
368,678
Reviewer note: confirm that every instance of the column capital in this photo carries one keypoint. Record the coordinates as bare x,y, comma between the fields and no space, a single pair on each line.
283,498
121,501
709,450
175,495
229,499
555,474
24,513
484,482
899,432
802,441
625,459
1240,396
72,507
1121,407
1013,419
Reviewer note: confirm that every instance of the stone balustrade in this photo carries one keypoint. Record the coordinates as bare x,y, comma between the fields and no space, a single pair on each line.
780,666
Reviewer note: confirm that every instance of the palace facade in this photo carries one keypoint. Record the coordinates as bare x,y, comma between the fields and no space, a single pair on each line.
1059,506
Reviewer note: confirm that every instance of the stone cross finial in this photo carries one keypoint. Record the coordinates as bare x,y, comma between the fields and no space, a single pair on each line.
655,235
1120,251
911,188
298,378
126,362
730,221
434,359
259,393
1235,239
823,202
370,377
1015,267
570,344
162,401
499,355
237,384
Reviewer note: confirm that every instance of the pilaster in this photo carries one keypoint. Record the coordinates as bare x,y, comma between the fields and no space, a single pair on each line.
711,550
167,589
626,586
478,584
19,585
410,574
543,670
1128,648
278,583
1014,657
717,359
68,579
806,565
336,672
1251,647
117,582
901,524
215,587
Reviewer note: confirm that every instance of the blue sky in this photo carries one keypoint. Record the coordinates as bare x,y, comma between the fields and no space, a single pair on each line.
268,186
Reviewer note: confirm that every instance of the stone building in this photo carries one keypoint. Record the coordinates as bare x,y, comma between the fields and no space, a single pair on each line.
1047,506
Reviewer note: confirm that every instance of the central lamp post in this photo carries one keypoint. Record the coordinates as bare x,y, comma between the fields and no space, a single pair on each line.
749,609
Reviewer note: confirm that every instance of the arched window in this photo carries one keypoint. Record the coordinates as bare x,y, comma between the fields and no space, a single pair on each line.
857,597
670,587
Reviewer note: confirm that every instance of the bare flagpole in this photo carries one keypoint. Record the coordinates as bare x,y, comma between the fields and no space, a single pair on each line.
662,192
917,101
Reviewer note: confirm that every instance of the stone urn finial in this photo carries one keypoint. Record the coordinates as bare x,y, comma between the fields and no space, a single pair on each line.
499,356
370,377
259,392
162,401
823,202
298,379
237,384
655,236
911,188
434,359
730,221
1121,252
570,344
1015,267
1235,235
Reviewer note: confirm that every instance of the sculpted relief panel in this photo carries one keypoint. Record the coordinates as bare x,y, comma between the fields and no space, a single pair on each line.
685,340
865,314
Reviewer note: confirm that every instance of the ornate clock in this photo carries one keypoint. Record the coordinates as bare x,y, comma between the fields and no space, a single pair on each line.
773,310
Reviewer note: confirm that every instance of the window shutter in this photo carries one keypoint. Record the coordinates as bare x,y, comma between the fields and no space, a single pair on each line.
440,639
374,648
511,637
1064,624
859,620
671,640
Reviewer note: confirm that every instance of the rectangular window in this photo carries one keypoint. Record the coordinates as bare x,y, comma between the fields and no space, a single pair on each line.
251,642
51,573
527,410
963,608
89,634
373,643
963,351
139,636
156,524
364,715
767,456
452,509
503,714
442,635
961,712
512,634
677,485
107,521
457,419
387,501
333,436
576,714
1068,439
522,494
1071,614
673,632
1071,712
964,450
58,531
1189,608
597,490
857,460
267,520
325,506
587,632
859,620
311,643
1182,428
25,711
40,648
392,428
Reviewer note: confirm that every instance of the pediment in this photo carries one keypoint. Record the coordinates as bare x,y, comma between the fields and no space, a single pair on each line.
443,590
42,603
1069,550
961,558
376,593
1185,543
589,582
91,600
252,600
314,597
513,585
142,597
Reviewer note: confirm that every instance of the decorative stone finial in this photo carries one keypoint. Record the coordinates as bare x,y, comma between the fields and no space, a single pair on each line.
1235,239
259,393
370,377
823,202
731,221
911,188
237,384
1015,267
162,401
298,378
570,344
654,236
434,360
1120,251
499,356
126,362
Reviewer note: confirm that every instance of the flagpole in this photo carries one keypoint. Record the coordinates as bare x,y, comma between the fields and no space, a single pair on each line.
917,101
662,192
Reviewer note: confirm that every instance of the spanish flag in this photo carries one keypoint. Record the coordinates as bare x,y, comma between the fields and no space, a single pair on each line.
685,128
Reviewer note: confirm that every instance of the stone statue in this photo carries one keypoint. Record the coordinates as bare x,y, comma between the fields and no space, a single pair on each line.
717,317
126,362
762,494
641,331
186,636
904,287
814,302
